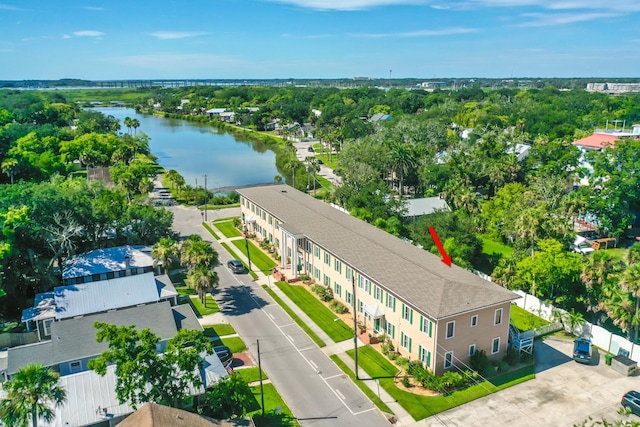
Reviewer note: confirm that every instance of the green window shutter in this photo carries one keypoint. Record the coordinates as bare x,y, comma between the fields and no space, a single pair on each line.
402,313
421,322
420,352
410,342
394,304
430,328
428,358
393,332
411,316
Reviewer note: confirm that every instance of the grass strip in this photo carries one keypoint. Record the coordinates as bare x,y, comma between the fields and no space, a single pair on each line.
218,330
259,259
321,315
272,401
201,310
227,219
295,317
525,321
251,374
235,344
210,230
361,385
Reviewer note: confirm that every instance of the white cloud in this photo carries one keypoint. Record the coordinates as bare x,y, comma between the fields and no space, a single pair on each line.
170,35
545,20
88,33
349,4
419,33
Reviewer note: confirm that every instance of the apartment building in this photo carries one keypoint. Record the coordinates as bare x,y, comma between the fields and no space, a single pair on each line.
438,314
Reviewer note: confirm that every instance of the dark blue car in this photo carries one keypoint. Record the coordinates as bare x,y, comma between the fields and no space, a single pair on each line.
582,349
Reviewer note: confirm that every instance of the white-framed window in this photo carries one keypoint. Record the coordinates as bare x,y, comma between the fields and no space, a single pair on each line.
377,293
472,350
348,298
426,326
327,280
497,320
390,329
316,272
495,345
448,359
407,313
337,289
367,286
316,251
451,329
360,306
75,366
391,302
308,246
337,265
474,320
424,356
47,326
349,273
327,258
405,341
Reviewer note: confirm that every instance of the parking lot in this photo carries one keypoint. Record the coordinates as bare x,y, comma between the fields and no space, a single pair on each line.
563,393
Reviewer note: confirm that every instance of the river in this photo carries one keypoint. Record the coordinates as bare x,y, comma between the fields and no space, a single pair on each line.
195,150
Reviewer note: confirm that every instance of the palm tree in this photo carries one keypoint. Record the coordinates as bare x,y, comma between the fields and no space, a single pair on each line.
163,252
402,159
621,308
527,225
135,124
195,252
203,279
30,395
128,122
10,166
630,282
599,272
633,255
277,179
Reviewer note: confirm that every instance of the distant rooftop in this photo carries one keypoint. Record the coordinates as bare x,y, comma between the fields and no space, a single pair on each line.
425,206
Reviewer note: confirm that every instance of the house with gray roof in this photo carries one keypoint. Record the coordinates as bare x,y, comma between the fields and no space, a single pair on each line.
95,297
425,206
438,314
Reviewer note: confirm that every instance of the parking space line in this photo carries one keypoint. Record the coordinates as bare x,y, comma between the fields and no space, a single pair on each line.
340,395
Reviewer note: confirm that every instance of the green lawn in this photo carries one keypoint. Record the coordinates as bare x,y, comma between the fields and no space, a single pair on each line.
259,259
492,246
618,253
212,306
250,374
318,312
184,291
272,401
420,407
295,317
218,330
227,229
525,321
361,385
234,343
229,218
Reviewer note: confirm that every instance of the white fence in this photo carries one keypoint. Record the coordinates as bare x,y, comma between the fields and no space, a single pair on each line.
600,337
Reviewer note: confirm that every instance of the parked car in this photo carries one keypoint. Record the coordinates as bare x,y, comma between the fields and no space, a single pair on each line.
310,149
582,349
236,266
320,162
224,353
631,402
582,246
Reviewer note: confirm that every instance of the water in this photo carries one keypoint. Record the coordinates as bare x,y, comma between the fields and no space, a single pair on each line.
196,150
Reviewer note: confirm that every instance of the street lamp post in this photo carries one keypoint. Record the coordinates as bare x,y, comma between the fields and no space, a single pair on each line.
246,243
206,198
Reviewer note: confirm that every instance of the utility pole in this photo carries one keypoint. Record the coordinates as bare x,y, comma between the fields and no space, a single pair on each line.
355,322
260,370
195,194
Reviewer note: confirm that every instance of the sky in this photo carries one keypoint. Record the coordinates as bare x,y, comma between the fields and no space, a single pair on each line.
324,39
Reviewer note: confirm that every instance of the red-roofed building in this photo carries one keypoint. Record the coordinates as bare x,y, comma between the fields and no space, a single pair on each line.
597,141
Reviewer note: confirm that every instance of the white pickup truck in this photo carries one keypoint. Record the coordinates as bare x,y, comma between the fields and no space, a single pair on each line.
582,246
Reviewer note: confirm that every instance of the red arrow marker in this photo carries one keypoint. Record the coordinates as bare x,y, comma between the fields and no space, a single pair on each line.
445,258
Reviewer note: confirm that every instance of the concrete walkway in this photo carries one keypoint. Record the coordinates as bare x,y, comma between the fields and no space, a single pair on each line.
340,348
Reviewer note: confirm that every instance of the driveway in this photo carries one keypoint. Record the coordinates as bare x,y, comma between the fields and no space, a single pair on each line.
302,152
563,393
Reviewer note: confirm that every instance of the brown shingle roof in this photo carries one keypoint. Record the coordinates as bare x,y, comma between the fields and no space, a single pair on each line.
154,415
413,274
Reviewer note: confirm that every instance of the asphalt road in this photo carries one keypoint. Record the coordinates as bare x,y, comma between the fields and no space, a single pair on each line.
316,390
